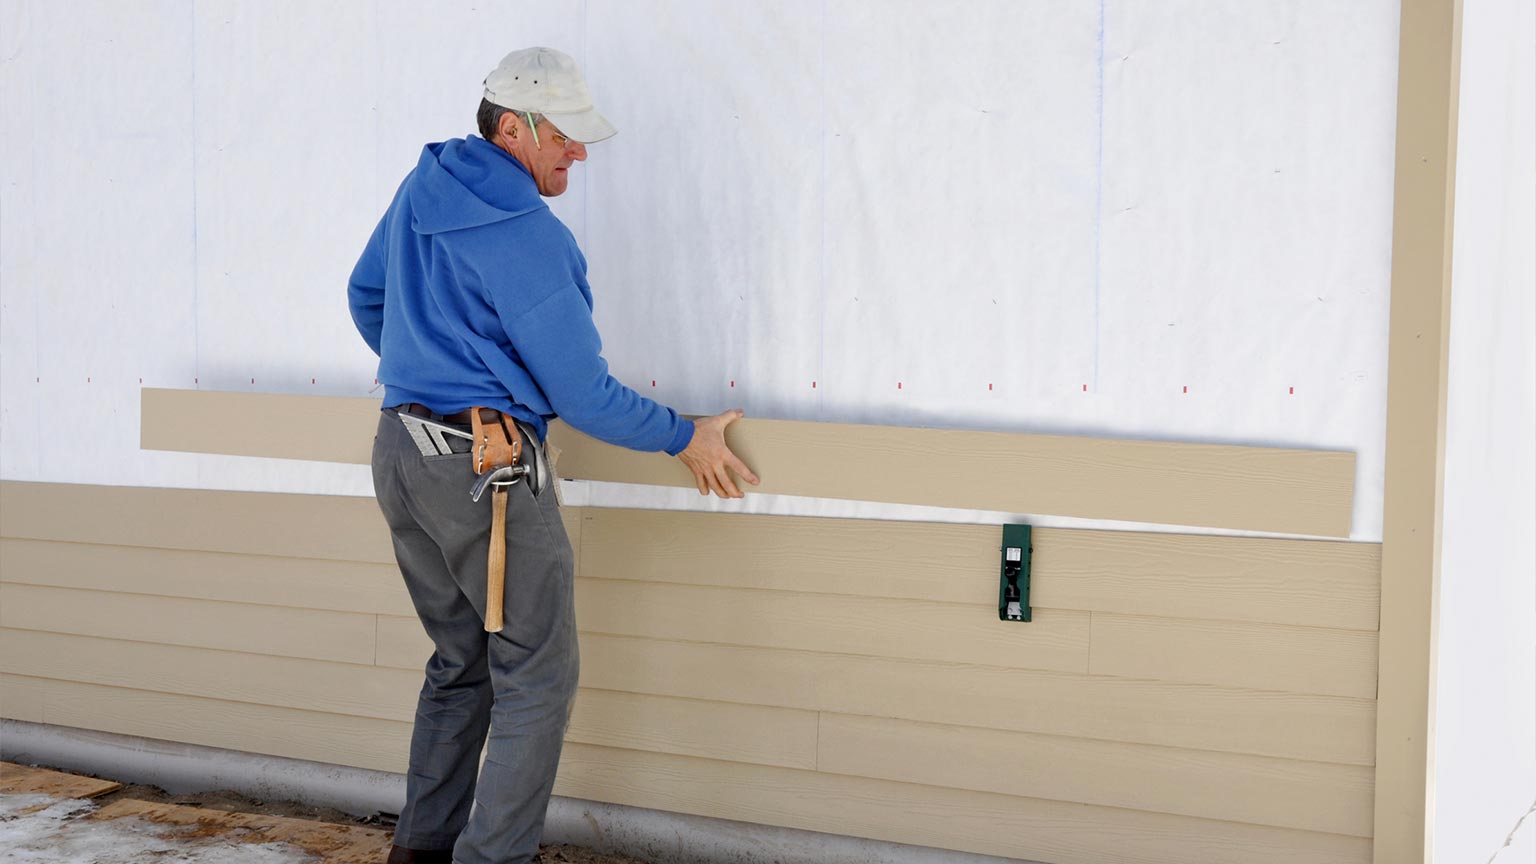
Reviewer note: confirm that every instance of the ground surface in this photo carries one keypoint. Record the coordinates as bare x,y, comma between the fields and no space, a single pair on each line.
41,823
243,804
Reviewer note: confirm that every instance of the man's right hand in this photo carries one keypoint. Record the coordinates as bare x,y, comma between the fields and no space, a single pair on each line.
711,461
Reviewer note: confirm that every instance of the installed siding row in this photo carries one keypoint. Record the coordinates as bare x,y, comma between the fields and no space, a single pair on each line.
742,691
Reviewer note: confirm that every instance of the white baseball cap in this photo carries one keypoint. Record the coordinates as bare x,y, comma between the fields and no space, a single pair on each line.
545,81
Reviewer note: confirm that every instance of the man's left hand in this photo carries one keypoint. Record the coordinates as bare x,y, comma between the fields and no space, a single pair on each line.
711,461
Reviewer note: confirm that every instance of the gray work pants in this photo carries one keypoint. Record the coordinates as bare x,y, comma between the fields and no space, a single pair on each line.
517,684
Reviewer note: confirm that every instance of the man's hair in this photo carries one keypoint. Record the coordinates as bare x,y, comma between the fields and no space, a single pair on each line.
488,118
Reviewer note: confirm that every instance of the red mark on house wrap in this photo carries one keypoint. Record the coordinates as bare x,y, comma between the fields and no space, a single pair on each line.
1293,391
1186,388
898,385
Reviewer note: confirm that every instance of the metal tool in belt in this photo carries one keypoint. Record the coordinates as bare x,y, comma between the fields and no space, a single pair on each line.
497,461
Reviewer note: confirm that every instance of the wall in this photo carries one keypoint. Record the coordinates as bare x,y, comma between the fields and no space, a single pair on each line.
1177,699
1027,217
1107,219
1485,768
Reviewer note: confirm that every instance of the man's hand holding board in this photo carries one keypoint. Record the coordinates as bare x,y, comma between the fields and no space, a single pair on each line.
711,461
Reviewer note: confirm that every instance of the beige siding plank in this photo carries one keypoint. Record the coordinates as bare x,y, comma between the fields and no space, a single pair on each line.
873,626
1423,219
979,822
1278,724
335,739
1257,656
402,643
1210,485
1318,728
312,583
717,730
286,525
1304,582
1284,793
317,428
316,685
1264,489
1316,583
1285,725
21,697
1291,726
779,736
335,527
906,560
343,637
683,726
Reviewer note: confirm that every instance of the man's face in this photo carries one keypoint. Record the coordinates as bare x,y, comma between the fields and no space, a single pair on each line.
550,162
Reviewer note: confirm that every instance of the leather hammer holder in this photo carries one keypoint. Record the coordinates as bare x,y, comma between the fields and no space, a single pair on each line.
498,444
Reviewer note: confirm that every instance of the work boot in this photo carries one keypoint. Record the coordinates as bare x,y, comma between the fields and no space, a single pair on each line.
402,855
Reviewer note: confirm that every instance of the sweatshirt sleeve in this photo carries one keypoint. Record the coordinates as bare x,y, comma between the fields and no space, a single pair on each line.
559,344
365,290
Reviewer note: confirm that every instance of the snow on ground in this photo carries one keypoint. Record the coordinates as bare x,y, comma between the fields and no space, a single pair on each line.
57,834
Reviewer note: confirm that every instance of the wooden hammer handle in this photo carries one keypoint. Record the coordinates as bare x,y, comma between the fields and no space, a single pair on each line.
496,567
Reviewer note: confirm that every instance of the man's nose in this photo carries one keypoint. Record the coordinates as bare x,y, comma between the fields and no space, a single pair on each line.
577,151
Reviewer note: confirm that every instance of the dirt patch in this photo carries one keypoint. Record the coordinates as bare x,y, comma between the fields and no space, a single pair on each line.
227,800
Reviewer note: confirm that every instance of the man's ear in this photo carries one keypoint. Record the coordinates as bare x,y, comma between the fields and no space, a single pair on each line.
508,126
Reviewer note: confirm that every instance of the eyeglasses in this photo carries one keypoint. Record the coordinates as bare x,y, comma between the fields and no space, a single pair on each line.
557,138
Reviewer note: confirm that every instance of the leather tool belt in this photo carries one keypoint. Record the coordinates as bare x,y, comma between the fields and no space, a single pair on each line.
442,435
497,440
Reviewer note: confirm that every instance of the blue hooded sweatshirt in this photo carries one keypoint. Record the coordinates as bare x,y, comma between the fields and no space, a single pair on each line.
473,293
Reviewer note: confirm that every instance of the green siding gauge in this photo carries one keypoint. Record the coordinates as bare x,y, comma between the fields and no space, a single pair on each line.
1013,583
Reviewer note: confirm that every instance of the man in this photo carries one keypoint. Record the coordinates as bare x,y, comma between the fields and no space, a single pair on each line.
475,296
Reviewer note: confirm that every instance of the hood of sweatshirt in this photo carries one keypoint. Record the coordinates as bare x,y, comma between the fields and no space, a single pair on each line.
466,183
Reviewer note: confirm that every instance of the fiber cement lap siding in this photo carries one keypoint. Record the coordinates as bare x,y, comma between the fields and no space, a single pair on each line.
1212,485
750,679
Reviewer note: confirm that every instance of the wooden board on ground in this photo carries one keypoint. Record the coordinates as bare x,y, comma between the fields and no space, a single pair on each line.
335,844
27,780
